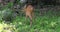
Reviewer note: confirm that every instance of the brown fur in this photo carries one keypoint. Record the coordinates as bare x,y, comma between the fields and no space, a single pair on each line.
29,12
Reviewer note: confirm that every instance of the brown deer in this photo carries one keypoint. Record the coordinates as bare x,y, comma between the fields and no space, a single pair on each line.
28,9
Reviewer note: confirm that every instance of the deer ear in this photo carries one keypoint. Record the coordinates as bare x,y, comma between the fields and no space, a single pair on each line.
25,6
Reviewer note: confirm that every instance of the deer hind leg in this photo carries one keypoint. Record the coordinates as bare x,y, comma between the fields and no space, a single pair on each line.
30,20
26,17
33,16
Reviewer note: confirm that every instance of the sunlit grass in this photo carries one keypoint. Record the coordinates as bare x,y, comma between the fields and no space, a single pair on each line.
4,27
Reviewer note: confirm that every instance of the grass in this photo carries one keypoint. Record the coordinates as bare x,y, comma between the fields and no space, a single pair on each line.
40,24
44,24
48,22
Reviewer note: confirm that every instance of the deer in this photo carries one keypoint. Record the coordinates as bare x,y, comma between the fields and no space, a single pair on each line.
28,9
